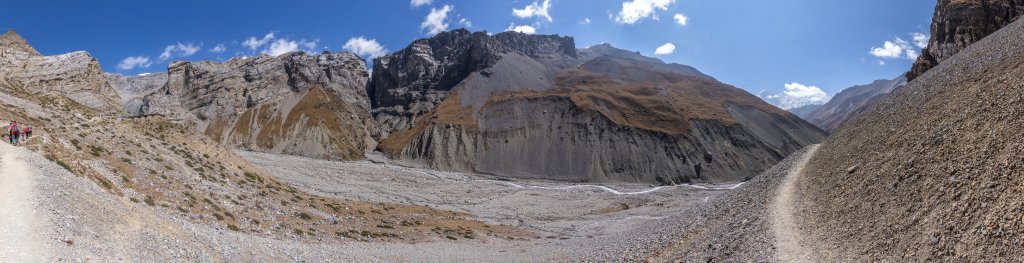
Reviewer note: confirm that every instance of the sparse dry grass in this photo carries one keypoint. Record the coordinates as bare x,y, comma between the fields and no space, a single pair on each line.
167,166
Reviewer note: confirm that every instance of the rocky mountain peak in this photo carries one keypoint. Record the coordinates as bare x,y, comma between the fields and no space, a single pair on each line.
13,42
408,83
959,23
609,60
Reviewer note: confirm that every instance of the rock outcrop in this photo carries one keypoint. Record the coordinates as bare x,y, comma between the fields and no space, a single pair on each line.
959,23
75,75
852,101
936,165
295,103
531,106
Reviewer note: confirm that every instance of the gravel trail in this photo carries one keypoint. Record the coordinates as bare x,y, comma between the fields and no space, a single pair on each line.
791,245
20,222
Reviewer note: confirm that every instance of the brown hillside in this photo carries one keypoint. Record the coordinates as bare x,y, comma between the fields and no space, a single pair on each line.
666,106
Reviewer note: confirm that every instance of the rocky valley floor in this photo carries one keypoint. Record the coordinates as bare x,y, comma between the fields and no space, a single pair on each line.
59,216
571,221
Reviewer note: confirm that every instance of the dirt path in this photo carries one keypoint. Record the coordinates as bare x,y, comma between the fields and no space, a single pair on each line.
20,240
792,247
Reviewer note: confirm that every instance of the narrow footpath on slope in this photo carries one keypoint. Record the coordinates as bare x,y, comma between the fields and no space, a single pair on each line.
792,247
20,237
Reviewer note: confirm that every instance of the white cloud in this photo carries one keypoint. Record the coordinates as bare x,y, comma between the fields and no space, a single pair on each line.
920,39
219,48
179,50
283,45
365,47
797,95
525,29
586,20
881,63
253,43
665,49
636,10
888,50
419,3
435,21
133,62
912,54
897,48
465,22
534,9
276,46
680,19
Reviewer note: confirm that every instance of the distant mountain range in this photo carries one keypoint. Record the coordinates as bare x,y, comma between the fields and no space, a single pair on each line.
848,103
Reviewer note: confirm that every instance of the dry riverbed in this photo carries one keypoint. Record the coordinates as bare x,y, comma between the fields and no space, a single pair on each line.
570,220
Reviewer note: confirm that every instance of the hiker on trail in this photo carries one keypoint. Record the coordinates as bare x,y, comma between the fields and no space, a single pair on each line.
28,132
15,132
24,133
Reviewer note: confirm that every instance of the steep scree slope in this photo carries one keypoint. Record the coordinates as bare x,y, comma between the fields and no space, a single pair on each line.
932,172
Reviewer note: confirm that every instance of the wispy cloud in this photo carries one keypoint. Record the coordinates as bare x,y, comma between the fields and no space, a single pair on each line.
920,39
255,43
419,3
179,50
535,9
219,48
282,46
435,22
275,46
130,63
899,48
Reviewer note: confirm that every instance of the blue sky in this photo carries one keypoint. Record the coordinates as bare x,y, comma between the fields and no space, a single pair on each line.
752,44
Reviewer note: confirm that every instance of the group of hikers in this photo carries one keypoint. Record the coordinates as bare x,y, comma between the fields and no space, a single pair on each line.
17,133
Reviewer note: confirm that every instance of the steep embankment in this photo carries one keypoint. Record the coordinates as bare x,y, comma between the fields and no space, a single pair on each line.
932,172
595,114
295,103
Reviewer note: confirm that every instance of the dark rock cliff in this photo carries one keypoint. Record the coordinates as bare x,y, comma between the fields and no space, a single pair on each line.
959,23
408,83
